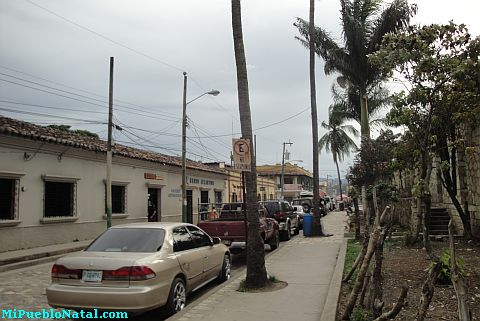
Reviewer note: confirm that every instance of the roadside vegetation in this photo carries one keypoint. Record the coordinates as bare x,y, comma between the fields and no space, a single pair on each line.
436,108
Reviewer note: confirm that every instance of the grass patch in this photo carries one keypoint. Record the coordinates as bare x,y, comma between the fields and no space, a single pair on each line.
353,248
273,279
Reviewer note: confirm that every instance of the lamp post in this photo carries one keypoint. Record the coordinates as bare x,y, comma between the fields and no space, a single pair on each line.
184,143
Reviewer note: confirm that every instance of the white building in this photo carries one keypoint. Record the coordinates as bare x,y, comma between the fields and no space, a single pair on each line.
52,186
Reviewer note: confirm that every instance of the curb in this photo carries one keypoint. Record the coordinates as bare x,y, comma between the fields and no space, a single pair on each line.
206,295
241,273
23,264
329,312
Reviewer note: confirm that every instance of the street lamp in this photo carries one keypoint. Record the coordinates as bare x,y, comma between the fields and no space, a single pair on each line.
184,143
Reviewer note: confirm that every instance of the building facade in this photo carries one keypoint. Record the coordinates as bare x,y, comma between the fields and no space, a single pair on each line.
53,188
296,179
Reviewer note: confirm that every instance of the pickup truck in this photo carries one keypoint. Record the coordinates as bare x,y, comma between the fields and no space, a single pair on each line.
230,227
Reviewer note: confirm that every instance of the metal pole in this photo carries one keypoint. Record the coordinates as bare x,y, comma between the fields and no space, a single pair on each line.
109,148
283,169
184,150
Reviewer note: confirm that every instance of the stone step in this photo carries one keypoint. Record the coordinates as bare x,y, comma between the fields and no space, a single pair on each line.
23,264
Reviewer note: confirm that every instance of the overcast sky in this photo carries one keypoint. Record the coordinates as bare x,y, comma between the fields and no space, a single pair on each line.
54,49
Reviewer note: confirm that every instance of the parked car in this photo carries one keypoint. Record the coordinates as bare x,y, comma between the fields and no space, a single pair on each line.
300,212
307,203
139,267
283,212
230,227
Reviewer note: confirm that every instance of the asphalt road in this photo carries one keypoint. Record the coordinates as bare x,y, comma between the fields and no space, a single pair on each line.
25,288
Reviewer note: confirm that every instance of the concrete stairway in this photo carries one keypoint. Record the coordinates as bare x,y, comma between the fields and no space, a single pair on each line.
439,219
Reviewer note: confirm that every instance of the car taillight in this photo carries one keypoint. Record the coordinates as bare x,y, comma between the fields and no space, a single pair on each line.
138,273
61,272
129,273
279,215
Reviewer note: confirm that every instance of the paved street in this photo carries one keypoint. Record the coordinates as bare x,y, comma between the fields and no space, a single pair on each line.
25,288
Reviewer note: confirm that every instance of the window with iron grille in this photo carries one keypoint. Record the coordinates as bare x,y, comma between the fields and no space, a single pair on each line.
59,199
8,198
118,199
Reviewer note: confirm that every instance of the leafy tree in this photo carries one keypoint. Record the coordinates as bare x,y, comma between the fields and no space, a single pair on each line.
337,141
81,132
441,65
256,271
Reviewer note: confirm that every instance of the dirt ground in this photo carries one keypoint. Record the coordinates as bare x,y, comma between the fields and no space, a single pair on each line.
403,265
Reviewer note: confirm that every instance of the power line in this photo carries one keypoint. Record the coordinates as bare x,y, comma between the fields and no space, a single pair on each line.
86,91
52,107
105,37
47,115
142,113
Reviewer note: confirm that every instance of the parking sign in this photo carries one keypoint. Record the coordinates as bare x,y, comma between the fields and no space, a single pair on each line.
242,157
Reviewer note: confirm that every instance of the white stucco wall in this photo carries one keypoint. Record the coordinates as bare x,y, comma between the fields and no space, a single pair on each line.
90,169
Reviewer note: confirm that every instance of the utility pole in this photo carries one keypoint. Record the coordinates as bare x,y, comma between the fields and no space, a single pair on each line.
327,185
109,147
283,169
184,150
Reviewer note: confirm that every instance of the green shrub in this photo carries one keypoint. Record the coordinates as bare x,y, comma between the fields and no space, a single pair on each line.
446,272
360,314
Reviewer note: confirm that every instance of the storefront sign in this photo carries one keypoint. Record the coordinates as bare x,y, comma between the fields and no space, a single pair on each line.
152,176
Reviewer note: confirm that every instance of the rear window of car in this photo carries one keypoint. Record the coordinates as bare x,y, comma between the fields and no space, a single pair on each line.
272,207
129,240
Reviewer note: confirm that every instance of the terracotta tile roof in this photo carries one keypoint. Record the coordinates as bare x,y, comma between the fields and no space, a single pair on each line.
290,169
13,127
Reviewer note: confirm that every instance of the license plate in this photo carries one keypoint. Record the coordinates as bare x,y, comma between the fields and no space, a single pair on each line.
92,276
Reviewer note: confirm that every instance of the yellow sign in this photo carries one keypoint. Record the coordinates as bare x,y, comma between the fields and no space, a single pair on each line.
242,156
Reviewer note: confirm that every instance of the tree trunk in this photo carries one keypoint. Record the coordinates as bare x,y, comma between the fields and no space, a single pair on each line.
357,218
375,300
339,179
359,260
449,183
317,224
352,298
396,308
256,271
428,290
458,281
427,202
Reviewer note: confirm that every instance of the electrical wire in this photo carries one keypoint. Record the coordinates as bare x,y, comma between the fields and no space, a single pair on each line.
52,116
105,37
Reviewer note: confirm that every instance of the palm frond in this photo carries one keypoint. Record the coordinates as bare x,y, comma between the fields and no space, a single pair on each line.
396,16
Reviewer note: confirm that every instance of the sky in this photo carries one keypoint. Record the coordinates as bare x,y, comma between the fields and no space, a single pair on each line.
54,69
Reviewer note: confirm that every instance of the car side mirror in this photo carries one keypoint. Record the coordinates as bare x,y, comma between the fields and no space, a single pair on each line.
217,240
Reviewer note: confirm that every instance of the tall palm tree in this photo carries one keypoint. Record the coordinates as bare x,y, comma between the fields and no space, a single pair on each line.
317,225
364,24
256,271
337,141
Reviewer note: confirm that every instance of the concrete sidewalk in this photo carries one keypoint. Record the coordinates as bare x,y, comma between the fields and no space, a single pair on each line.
312,267
38,255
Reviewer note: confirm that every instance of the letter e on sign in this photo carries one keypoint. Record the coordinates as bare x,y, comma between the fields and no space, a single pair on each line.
241,154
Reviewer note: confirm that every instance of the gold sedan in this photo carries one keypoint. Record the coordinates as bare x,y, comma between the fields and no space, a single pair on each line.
139,267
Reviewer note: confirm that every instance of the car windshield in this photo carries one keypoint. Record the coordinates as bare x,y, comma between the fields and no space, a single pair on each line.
129,240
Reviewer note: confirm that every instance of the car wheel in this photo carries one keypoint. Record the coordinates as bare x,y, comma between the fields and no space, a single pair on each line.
177,298
275,242
226,270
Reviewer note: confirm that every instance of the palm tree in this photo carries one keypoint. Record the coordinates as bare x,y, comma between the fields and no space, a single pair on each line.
364,24
337,141
317,225
256,271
